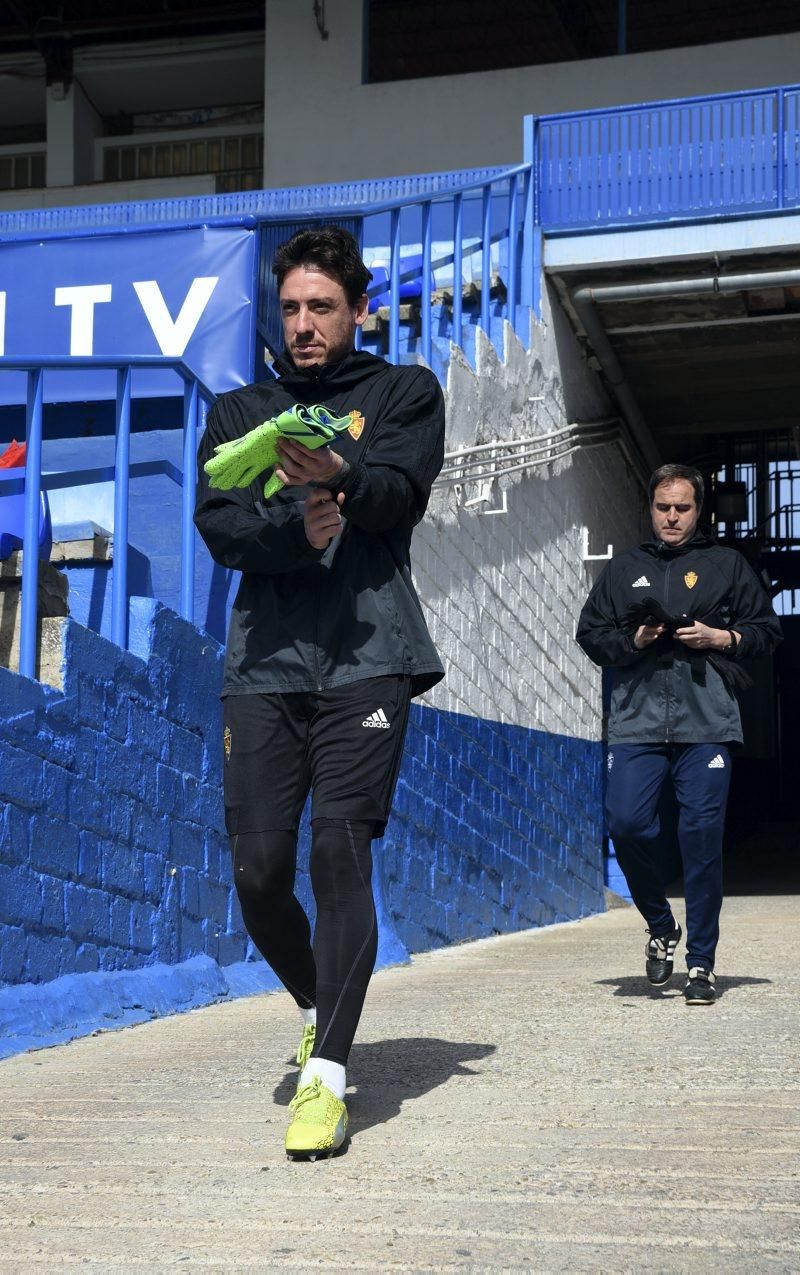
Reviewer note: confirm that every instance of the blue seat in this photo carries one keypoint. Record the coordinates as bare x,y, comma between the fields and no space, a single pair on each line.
12,520
411,290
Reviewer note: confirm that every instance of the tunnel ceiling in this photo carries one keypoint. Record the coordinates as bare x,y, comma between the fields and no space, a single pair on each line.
702,366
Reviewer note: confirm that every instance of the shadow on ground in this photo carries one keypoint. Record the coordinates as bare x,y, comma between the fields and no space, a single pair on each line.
388,1073
636,985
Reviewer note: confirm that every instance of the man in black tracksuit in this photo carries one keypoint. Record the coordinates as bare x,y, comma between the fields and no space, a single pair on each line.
326,647
673,618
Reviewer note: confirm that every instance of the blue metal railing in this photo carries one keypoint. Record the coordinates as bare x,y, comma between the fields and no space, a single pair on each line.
506,218
195,394
724,155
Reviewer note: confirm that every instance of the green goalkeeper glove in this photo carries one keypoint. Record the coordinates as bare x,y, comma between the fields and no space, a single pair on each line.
239,462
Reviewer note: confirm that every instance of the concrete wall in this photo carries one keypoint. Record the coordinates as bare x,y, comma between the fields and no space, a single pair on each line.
461,120
503,591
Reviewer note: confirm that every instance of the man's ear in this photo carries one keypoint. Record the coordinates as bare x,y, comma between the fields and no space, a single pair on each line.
362,309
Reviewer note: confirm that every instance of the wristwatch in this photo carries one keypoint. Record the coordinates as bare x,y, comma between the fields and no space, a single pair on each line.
730,649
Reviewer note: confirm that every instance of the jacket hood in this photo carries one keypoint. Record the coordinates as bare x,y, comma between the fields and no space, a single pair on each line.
700,540
352,371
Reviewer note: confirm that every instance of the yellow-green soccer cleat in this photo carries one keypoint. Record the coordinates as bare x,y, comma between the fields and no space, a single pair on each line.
306,1045
319,1124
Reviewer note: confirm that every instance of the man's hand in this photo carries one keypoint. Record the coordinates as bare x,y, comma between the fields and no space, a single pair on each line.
321,518
299,465
647,633
701,637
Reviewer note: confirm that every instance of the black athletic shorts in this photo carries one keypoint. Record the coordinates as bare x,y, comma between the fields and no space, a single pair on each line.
345,745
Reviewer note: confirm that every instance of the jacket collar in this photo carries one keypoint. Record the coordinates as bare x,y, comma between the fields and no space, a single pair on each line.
700,540
330,378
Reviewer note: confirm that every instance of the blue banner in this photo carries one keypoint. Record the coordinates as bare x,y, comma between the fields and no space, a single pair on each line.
182,293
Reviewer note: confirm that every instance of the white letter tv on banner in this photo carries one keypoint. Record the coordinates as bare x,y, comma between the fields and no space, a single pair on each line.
173,337
83,300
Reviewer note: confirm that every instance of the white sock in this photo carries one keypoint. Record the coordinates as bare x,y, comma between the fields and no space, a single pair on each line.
332,1074
309,1016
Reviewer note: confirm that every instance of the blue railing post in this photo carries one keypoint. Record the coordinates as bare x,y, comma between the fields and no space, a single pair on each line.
360,238
513,236
531,259
30,535
780,148
394,290
119,582
188,497
486,261
425,291
458,265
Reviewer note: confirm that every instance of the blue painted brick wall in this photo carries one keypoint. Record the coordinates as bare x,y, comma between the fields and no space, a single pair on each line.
112,847
495,828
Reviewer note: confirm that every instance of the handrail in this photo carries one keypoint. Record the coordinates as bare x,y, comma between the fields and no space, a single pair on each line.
719,155
518,228
196,393
791,508
251,220
659,103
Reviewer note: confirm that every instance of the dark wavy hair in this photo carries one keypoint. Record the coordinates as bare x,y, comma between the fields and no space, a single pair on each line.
330,249
669,473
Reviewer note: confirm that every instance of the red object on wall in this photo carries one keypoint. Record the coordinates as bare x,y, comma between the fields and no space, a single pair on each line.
14,456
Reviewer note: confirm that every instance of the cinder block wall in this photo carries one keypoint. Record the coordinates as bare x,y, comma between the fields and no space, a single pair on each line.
112,846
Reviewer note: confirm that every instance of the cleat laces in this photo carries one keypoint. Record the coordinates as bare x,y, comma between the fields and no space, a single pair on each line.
306,1045
309,1093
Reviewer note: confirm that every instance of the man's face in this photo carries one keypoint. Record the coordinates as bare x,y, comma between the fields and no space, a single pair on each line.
319,323
674,512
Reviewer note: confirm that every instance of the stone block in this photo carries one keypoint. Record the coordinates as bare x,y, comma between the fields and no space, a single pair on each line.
12,953
87,913
20,896
51,610
54,847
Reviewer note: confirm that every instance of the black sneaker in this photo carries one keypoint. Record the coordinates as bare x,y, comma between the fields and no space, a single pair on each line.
660,952
700,990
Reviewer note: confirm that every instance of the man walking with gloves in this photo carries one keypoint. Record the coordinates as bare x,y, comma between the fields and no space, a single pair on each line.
327,642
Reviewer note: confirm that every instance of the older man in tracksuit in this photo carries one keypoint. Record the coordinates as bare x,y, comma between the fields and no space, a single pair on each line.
673,618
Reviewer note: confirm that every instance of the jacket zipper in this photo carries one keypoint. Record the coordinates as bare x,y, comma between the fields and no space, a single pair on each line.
667,671
313,394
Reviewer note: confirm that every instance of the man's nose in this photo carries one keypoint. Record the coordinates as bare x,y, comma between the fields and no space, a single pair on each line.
303,321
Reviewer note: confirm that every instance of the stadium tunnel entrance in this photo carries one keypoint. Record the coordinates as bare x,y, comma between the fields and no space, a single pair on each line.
701,349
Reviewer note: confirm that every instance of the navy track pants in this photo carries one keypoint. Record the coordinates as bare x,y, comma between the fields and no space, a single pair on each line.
701,777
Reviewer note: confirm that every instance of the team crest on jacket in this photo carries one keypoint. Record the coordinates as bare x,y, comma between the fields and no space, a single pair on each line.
355,429
690,579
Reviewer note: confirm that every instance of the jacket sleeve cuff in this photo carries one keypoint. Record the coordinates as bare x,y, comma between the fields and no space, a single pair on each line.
339,482
301,541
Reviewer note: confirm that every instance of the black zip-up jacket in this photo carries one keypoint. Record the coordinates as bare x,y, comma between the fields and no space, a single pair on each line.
664,693
306,619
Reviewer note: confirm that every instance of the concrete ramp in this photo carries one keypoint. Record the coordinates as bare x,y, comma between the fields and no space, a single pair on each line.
523,1102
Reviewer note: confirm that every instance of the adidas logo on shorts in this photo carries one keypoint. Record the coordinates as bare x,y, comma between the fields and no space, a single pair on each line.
377,720
716,763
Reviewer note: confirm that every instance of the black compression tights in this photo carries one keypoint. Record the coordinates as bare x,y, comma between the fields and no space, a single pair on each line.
334,974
